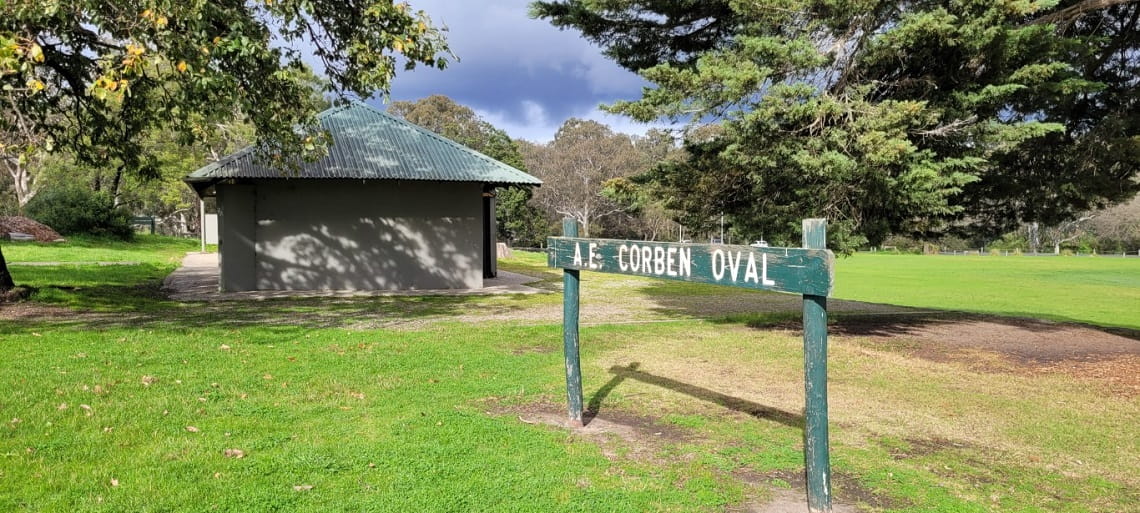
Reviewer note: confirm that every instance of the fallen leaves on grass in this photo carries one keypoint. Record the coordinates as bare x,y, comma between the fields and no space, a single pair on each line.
303,488
192,429
149,380
234,453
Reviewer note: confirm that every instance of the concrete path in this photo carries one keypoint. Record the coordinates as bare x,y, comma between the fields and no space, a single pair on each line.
197,280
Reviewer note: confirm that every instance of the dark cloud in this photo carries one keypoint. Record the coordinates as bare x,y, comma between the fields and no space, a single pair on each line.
522,74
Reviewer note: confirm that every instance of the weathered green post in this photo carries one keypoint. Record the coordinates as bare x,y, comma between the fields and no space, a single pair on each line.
570,282
816,459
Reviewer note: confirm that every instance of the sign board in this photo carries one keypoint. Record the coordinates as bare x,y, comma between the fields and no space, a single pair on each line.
795,270
806,271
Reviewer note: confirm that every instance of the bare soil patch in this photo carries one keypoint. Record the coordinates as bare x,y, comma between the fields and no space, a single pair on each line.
617,433
1022,345
18,224
788,493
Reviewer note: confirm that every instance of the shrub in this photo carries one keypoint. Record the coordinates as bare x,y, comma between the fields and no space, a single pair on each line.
78,211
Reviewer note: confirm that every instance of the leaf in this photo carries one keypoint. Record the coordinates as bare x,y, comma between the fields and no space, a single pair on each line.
303,488
234,453
192,429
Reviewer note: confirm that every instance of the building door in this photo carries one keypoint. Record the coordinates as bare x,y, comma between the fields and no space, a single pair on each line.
490,229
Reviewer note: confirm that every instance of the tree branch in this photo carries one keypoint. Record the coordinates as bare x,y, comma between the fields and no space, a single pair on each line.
1065,17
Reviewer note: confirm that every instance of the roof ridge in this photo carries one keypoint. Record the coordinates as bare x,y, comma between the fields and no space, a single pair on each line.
439,137
351,124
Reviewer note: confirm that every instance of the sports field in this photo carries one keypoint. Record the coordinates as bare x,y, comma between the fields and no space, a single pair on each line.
115,398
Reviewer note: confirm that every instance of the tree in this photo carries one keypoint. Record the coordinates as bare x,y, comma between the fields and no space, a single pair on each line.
575,168
883,116
94,79
1118,228
518,221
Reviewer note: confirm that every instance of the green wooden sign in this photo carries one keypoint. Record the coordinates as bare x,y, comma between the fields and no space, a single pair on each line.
806,271
795,270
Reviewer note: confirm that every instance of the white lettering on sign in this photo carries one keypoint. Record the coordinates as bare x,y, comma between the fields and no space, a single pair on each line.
764,271
734,266
655,260
750,271
726,266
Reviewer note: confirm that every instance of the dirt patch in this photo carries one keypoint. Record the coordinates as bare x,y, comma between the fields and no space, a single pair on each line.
626,435
619,434
789,496
39,231
16,294
1027,346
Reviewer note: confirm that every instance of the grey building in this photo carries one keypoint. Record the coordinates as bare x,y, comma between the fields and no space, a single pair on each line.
392,207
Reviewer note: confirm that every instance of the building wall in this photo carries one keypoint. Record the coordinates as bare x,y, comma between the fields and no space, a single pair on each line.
356,235
237,224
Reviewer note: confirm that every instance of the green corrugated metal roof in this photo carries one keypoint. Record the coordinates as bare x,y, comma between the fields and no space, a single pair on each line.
370,144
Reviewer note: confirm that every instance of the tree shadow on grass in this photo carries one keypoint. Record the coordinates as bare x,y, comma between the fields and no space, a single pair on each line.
1025,340
145,305
632,371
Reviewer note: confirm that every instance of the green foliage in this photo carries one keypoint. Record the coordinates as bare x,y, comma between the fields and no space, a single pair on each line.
884,117
96,77
78,211
520,222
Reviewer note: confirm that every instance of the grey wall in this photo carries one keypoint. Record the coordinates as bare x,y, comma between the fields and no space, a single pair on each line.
237,225
358,235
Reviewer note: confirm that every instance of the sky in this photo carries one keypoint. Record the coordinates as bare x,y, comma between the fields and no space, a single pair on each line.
521,75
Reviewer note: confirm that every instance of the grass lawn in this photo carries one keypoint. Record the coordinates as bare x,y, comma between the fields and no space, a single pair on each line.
116,399
1097,290
147,249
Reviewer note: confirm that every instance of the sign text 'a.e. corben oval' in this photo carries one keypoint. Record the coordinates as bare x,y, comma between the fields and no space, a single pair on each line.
795,270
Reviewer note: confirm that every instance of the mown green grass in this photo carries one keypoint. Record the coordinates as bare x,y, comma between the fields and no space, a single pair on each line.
1095,290
426,414
147,249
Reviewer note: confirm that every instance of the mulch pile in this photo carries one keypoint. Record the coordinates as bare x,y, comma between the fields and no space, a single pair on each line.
19,224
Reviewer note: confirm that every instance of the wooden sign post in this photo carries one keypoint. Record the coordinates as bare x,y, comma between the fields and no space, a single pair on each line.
807,271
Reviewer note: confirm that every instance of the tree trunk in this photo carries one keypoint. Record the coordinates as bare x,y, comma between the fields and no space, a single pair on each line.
6,282
115,186
1056,248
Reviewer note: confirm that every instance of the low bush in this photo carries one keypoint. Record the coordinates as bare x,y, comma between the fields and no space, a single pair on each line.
78,211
